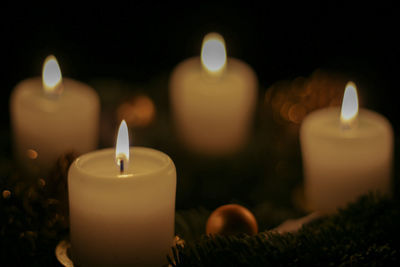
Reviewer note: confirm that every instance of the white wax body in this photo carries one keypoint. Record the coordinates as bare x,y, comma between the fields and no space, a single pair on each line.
342,164
53,126
213,115
122,220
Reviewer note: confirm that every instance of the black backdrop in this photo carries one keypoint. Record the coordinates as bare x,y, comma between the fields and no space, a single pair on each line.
138,41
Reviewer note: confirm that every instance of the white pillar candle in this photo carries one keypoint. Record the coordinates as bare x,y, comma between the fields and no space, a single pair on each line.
51,116
213,100
122,218
346,153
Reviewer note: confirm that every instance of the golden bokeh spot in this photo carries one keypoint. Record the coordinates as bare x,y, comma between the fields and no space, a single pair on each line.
291,101
32,154
285,110
41,182
278,99
6,194
297,112
306,90
139,111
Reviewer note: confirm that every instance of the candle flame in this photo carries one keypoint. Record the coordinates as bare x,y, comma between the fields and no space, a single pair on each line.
213,53
122,146
51,76
349,105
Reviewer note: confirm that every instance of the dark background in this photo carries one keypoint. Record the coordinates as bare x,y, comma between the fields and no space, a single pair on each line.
137,42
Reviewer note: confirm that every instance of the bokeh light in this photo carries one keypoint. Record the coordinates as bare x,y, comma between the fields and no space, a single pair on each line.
291,101
139,111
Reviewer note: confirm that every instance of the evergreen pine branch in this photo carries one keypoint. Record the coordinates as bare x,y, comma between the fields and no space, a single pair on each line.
364,234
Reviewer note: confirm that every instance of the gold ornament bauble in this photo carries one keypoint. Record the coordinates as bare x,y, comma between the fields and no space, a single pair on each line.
231,219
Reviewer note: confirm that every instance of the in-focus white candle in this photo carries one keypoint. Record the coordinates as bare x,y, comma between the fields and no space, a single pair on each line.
51,116
346,153
213,99
122,217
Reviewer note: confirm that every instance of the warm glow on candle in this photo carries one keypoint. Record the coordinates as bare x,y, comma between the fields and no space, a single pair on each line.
122,146
51,76
213,53
349,109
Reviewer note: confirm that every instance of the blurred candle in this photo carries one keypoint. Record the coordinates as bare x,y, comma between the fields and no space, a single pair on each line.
346,153
213,99
52,115
122,206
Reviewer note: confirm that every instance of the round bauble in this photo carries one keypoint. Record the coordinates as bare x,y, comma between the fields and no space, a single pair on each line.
231,219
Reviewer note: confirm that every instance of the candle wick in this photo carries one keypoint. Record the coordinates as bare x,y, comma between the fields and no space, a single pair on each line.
121,166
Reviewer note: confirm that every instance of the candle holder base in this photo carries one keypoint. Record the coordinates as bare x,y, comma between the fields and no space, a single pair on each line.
63,251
